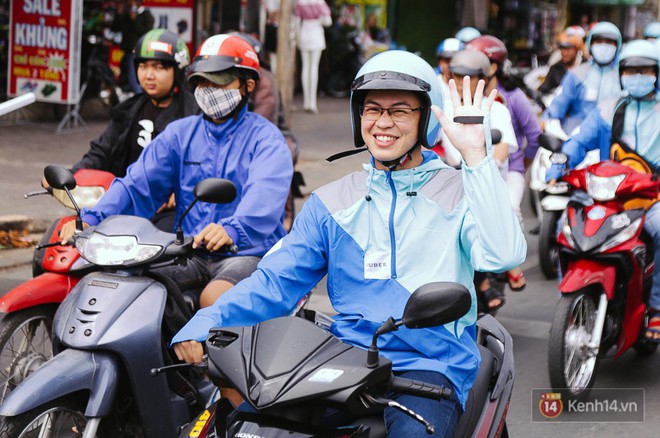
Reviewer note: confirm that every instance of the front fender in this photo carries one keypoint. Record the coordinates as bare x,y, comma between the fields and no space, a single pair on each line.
583,272
68,372
47,288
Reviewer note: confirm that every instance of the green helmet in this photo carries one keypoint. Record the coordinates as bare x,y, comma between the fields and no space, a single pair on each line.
162,45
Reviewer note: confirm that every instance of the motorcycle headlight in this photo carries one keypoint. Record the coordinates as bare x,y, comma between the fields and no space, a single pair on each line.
624,235
603,188
86,196
115,250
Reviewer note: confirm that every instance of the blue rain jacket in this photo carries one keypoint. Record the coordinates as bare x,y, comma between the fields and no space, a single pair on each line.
582,88
247,150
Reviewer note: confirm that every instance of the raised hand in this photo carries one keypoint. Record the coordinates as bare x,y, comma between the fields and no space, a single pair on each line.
466,132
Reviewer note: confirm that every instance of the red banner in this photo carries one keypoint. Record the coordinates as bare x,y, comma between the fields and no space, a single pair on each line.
44,49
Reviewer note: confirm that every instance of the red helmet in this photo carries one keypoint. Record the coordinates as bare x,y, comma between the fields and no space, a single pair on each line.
222,52
492,47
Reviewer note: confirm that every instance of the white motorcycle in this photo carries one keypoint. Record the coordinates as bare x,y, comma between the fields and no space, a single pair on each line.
550,201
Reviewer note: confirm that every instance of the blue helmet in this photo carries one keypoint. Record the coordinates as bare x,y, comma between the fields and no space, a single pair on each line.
448,47
605,29
652,30
640,53
398,70
467,34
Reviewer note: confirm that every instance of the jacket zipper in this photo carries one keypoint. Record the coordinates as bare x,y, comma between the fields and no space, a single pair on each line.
391,226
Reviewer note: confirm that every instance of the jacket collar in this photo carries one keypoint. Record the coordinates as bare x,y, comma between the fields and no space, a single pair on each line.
219,131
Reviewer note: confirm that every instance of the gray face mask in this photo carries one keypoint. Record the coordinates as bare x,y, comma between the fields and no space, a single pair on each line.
603,53
217,103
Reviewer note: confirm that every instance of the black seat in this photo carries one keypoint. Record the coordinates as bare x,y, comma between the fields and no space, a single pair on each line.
478,395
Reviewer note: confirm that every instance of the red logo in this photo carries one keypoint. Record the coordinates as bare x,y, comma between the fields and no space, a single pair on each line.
550,404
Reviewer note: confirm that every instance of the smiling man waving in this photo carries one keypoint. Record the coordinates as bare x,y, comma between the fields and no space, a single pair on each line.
404,221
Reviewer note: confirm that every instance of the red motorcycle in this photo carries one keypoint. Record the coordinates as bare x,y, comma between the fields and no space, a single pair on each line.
26,311
607,266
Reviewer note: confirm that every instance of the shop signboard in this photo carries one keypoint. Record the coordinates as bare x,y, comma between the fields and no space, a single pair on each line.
44,49
175,16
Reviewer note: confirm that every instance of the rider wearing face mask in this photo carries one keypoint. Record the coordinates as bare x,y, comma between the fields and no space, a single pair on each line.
227,141
591,82
633,122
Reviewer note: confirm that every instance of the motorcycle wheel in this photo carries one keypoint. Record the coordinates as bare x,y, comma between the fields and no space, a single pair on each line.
62,418
572,367
548,247
25,344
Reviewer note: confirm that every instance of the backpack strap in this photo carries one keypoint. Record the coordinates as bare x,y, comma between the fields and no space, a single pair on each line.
618,119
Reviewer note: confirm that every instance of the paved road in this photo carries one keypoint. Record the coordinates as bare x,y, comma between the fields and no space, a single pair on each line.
26,149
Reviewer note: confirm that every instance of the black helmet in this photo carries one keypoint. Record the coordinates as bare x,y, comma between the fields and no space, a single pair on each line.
163,45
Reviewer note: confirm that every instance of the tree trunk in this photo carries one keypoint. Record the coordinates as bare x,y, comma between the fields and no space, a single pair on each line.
286,55
560,24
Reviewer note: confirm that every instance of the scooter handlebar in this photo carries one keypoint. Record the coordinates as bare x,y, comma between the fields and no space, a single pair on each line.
421,389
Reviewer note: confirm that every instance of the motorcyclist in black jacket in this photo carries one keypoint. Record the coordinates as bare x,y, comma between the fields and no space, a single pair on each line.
160,60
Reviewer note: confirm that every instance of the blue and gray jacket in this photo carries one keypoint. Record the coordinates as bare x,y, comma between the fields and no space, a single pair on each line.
248,150
641,132
379,236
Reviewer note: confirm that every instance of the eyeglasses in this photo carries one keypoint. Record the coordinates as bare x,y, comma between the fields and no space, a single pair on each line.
397,114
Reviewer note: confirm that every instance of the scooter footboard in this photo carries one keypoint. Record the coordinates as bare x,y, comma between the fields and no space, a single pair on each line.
66,373
585,272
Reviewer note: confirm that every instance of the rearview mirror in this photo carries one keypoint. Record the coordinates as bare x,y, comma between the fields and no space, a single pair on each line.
215,190
59,178
550,142
436,304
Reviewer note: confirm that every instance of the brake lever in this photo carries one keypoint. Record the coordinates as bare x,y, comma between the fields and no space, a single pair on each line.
430,429
203,365
49,245
36,193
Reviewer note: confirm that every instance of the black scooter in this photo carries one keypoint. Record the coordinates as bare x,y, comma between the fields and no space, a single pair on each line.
108,334
290,370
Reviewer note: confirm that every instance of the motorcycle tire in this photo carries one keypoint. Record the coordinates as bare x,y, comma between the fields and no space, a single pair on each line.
548,246
574,318
63,417
25,344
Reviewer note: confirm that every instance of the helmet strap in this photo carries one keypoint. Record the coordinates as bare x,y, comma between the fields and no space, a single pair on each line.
398,162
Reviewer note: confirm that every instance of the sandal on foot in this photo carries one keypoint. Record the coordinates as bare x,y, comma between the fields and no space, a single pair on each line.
516,279
653,327
491,294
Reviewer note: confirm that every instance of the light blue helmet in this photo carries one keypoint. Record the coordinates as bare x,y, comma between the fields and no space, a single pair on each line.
640,53
448,47
467,34
605,29
398,70
652,30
